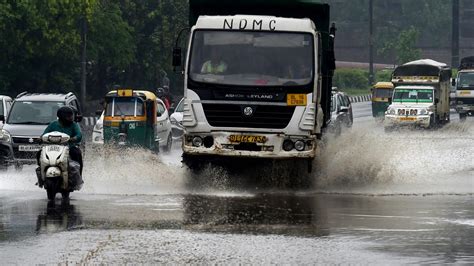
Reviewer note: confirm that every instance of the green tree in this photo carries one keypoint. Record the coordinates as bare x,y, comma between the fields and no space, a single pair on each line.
404,46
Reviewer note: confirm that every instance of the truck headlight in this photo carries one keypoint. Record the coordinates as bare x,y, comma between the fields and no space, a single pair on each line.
391,111
5,136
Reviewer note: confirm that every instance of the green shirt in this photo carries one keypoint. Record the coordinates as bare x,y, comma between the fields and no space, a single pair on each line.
73,131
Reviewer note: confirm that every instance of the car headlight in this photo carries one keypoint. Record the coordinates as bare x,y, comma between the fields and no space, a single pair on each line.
5,136
174,121
423,111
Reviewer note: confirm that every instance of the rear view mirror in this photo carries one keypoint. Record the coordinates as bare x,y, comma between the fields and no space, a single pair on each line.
453,82
98,112
159,114
177,57
78,118
171,110
2,118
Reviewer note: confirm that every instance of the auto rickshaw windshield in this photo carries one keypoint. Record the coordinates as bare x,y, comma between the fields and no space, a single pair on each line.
127,106
382,93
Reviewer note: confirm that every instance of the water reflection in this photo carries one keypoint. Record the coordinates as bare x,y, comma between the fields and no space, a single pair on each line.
58,217
262,214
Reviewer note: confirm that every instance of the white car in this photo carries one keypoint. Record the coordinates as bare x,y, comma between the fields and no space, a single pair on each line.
163,128
5,106
177,128
98,131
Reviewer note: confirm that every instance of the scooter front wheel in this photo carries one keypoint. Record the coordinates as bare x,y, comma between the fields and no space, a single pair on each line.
51,192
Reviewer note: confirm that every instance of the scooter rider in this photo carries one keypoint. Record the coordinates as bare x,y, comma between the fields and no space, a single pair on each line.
65,124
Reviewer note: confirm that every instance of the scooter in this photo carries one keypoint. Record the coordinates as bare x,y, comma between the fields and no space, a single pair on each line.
57,173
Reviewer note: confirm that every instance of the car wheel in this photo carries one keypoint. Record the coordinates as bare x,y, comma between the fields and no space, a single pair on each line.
169,143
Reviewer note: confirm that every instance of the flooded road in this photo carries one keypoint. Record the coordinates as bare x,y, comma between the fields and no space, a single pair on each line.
405,197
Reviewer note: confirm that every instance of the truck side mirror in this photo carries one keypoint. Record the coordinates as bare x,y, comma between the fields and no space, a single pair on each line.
177,57
98,112
453,82
2,118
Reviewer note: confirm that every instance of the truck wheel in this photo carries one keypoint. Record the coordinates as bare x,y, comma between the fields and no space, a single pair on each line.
18,167
169,143
462,117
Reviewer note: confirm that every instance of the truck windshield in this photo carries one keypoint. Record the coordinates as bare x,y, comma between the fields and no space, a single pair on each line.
382,93
413,95
124,106
34,112
466,81
252,58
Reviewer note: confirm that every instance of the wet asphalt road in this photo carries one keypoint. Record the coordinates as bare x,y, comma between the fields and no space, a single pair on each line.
404,198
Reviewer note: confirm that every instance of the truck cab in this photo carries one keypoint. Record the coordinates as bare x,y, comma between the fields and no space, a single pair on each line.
421,95
241,99
464,84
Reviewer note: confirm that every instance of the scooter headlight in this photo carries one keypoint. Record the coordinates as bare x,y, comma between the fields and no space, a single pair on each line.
5,136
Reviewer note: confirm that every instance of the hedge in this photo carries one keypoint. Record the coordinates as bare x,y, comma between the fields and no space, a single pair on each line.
357,79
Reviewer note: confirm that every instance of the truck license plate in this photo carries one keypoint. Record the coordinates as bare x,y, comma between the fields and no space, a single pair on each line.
407,118
29,148
247,139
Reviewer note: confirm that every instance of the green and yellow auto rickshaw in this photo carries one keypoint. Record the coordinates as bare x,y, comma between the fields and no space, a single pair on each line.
130,119
381,98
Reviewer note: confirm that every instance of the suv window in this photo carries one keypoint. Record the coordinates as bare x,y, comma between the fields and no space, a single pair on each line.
33,112
161,109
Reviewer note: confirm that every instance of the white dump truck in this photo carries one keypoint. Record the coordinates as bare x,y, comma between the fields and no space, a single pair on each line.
421,95
464,84
257,85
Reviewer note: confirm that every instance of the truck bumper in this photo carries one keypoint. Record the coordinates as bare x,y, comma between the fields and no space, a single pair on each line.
272,148
465,109
400,121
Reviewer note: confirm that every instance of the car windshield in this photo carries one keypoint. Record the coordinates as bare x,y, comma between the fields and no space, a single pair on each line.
34,112
383,93
413,95
252,58
128,106
466,81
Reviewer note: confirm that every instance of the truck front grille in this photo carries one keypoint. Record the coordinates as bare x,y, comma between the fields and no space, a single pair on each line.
263,116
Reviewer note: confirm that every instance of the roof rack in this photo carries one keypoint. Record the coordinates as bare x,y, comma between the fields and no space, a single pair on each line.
22,94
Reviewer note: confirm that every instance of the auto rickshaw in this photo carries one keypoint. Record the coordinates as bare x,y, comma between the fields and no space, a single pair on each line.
381,98
130,119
